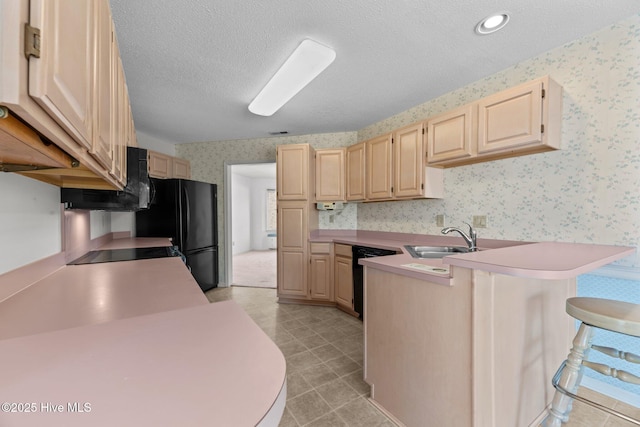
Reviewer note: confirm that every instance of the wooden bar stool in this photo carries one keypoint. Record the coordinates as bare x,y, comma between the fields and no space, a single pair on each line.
616,316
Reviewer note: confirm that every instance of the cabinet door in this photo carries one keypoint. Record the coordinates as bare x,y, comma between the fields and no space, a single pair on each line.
61,80
321,283
293,172
510,119
409,160
356,172
344,282
330,182
181,168
102,147
119,123
292,249
159,165
379,168
450,136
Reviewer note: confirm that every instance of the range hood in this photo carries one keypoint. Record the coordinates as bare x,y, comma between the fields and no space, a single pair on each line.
133,197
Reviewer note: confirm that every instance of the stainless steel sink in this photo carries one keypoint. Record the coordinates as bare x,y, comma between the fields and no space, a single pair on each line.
434,251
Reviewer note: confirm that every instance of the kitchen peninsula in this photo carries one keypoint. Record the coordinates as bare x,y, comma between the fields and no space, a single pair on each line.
133,343
482,349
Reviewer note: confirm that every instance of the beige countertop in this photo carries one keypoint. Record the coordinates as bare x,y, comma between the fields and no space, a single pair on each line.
542,260
139,342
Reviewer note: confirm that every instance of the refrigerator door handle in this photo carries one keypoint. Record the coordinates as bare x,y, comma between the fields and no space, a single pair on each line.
187,216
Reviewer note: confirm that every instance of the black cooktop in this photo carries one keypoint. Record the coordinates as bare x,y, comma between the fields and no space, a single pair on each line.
132,254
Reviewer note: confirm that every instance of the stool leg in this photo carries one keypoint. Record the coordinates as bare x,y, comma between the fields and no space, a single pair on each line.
570,378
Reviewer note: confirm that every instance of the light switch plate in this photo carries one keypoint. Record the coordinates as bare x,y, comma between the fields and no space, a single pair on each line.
440,220
480,221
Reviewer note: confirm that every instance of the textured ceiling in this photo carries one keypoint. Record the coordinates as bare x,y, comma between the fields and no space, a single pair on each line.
192,67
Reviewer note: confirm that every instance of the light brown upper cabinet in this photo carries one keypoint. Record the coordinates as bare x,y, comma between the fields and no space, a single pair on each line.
164,166
330,175
408,161
452,136
525,119
181,168
61,81
66,93
379,167
395,167
356,176
104,109
159,164
294,168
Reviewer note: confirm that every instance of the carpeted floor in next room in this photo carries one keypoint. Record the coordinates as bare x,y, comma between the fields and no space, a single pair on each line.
323,348
255,269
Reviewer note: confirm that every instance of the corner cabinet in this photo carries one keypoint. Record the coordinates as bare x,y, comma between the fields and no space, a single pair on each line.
62,87
525,119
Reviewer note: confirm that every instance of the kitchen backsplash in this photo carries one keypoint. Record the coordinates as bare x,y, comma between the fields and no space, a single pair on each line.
587,192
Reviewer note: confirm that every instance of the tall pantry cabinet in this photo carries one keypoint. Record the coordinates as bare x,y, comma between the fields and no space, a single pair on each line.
297,216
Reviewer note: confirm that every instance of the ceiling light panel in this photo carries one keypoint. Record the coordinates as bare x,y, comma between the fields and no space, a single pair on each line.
305,63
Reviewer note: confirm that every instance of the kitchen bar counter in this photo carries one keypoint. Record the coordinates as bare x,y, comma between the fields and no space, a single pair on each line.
140,343
544,260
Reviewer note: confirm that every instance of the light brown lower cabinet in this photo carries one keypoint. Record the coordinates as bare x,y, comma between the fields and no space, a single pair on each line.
321,272
344,277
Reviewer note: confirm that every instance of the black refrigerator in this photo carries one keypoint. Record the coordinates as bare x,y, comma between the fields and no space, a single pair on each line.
185,211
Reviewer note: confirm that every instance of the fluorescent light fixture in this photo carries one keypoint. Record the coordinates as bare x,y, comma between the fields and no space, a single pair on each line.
492,23
305,63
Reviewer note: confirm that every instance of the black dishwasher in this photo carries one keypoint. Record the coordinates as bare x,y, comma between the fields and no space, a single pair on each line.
358,273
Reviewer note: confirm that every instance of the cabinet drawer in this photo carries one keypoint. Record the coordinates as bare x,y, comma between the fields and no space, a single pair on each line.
320,248
342,250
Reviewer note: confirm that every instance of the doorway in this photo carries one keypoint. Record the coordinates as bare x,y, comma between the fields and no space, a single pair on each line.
251,225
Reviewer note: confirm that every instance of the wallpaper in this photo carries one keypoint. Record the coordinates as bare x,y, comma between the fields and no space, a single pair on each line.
589,191
208,160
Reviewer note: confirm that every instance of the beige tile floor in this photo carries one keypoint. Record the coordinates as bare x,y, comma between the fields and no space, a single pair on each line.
324,352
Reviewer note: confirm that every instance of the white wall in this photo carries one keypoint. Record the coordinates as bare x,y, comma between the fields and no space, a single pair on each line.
30,221
100,223
241,208
152,143
259,187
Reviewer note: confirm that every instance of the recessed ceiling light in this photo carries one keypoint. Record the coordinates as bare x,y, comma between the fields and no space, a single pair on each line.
492,23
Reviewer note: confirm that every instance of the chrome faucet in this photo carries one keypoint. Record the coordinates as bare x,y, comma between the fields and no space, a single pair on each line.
469,238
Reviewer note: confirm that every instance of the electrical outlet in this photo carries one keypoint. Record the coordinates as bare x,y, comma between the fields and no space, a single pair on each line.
440,220
480,221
